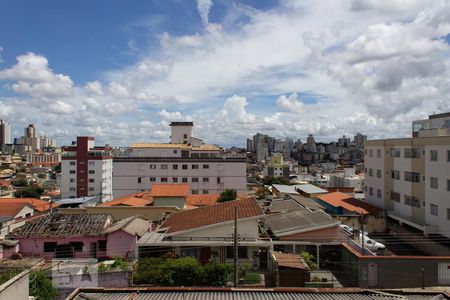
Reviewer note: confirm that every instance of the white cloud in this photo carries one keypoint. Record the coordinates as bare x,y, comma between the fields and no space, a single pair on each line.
60,107
291,103
94,88
203,7
117,90
33,77
5,110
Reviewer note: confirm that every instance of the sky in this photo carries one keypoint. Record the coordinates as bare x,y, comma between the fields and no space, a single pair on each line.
121,71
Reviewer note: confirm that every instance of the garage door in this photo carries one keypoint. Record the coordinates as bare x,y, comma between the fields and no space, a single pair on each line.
444,273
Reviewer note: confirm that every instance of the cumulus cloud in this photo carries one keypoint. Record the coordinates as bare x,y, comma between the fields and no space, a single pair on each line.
291,103
5,110
60,107
33,76
94,88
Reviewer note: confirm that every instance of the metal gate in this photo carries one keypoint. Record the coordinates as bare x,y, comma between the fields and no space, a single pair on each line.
444,273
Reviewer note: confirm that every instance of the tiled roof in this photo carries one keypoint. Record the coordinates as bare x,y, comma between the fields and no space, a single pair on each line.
209,215
170,190
39,205
338,199
138,199
289,260
202,199
10,209
131,225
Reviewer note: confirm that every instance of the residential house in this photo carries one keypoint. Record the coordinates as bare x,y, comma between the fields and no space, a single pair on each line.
207,234
287,270
6,188
350,211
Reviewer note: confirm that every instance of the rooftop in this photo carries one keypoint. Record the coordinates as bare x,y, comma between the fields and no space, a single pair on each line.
204,147
289,260
170,190
137,199
209,215
338,199
39,205
298,221
8,210
63,225
181,123
202,199
282,205
307,202
132,225
310,189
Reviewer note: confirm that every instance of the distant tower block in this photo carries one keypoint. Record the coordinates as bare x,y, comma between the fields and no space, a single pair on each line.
181,132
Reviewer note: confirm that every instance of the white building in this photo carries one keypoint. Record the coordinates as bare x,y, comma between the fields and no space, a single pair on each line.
5,133
410,178
347,179
185,159
86,170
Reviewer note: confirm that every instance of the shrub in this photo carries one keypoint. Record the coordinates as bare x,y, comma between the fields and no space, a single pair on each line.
309,260
217,274
41,287
227,195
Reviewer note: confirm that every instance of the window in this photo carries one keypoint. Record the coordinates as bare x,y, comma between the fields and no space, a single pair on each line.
101,245
205,179
139,180
370,172
395,152
92,163
412,153
175,167
370,153
72,189
365,151
184,179
371,191
412,177
394,196
175,179
412,201
395,174
242,252
205,192
448,184
152,166
152,179
76,246
219,180
175,151
91,180
194,192
433,155
72,163
72,180
205,166
448,155
194,167
194,179
378,193
378,173
433,182
433,209
365,170
72,172
49,246
448,213
164,167
378,153
92,188
184,167
185,136
91,171
163,179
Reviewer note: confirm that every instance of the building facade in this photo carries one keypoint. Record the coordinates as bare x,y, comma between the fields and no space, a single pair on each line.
185,159
86,170
410,179
5,133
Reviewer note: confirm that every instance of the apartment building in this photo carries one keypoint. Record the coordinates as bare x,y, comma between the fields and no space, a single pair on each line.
5,133
86,170
185,159
410,178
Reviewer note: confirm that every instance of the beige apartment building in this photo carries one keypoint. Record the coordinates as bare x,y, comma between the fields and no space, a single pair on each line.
410,177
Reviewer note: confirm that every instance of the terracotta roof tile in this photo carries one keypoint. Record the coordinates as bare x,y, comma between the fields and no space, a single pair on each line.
10,209
138,199
169,190
202,199
219,213
290,260
338,199
39,205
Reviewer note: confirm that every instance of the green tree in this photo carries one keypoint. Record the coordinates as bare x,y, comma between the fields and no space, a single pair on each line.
20,182
309,260
57,168
227,195
41,287
217,274
186,271
30,192
269,180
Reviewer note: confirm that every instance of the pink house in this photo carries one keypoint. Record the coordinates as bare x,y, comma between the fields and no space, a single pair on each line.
79,236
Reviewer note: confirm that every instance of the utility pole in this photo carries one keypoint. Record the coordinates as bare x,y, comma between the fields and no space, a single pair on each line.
235,245
362,233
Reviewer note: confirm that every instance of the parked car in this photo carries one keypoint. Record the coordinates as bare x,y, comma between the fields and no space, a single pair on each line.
372,245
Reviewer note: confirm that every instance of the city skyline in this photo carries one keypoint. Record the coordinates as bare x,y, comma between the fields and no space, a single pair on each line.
281,68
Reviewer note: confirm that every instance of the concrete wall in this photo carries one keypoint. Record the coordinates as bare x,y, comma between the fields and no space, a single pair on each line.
120,243
16,288
178,202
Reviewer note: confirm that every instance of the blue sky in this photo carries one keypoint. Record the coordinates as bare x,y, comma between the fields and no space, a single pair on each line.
121,71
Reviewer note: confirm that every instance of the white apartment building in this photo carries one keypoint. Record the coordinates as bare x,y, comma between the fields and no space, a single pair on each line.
185,159
410,178
86,170
347,179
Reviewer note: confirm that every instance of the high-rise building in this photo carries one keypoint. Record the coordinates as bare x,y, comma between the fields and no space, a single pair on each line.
5,133
30,131
185,160
86,170
410,178
249,145
310,143
343,141
359,140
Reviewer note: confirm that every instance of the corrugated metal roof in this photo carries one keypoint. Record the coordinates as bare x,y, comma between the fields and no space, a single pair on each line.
250,295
